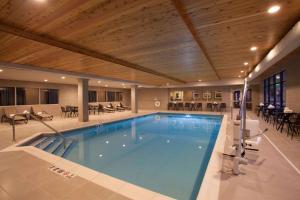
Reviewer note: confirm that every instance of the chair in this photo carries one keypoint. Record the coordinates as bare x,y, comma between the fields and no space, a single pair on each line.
74,111
259,110
187,106
100,108
170,106
276,116
69,111
180,106
10,115
294,124
209,107
91,108
198,106
63,111
120,107
40,114
265,113
222,107
109,108
284,120
175,106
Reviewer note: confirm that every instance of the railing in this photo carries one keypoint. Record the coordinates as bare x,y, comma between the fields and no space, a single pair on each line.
44,123
238,159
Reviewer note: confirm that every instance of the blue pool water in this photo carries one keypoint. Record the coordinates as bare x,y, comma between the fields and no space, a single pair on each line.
166,153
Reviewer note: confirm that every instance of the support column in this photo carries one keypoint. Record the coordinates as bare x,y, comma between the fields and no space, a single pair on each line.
83,100
134,99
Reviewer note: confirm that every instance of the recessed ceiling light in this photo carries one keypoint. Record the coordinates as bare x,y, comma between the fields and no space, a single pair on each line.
239,76
99,81
257,68
123,84
45,80
40,1
273,9
63,77
245,63
253,48
242,71
199,80
106,85
1,70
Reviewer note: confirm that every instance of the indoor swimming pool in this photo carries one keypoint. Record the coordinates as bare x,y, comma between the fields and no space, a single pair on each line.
163,152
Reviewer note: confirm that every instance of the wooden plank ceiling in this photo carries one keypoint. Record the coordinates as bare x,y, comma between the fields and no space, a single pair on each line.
146,41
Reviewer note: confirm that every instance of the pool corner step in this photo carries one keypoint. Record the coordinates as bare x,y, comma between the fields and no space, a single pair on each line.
61,151
46,143
55,146
39,141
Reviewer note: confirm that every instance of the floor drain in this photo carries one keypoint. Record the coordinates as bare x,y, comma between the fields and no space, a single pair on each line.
61,172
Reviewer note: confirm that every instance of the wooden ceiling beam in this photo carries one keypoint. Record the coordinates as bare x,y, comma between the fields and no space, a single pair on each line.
182,12
78,49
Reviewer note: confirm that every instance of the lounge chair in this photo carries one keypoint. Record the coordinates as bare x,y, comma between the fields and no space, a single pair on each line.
41,114
109,108
120,107
100,108
10,115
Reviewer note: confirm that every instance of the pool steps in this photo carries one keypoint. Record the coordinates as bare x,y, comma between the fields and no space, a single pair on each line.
53,145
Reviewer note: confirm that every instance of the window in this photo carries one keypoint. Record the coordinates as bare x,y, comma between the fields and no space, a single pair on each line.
113,96
7,96
110,96
49,96
92,96
27,96
274,90
119,96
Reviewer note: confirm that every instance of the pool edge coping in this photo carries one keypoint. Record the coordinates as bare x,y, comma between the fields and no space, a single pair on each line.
210,186
122,187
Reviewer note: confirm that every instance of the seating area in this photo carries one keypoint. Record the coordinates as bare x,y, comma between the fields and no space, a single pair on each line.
284,120
20,114
197,106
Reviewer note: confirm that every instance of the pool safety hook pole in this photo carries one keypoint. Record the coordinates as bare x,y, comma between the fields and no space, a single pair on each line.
238,159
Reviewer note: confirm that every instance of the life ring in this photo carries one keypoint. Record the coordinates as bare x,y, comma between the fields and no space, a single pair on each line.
157,103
